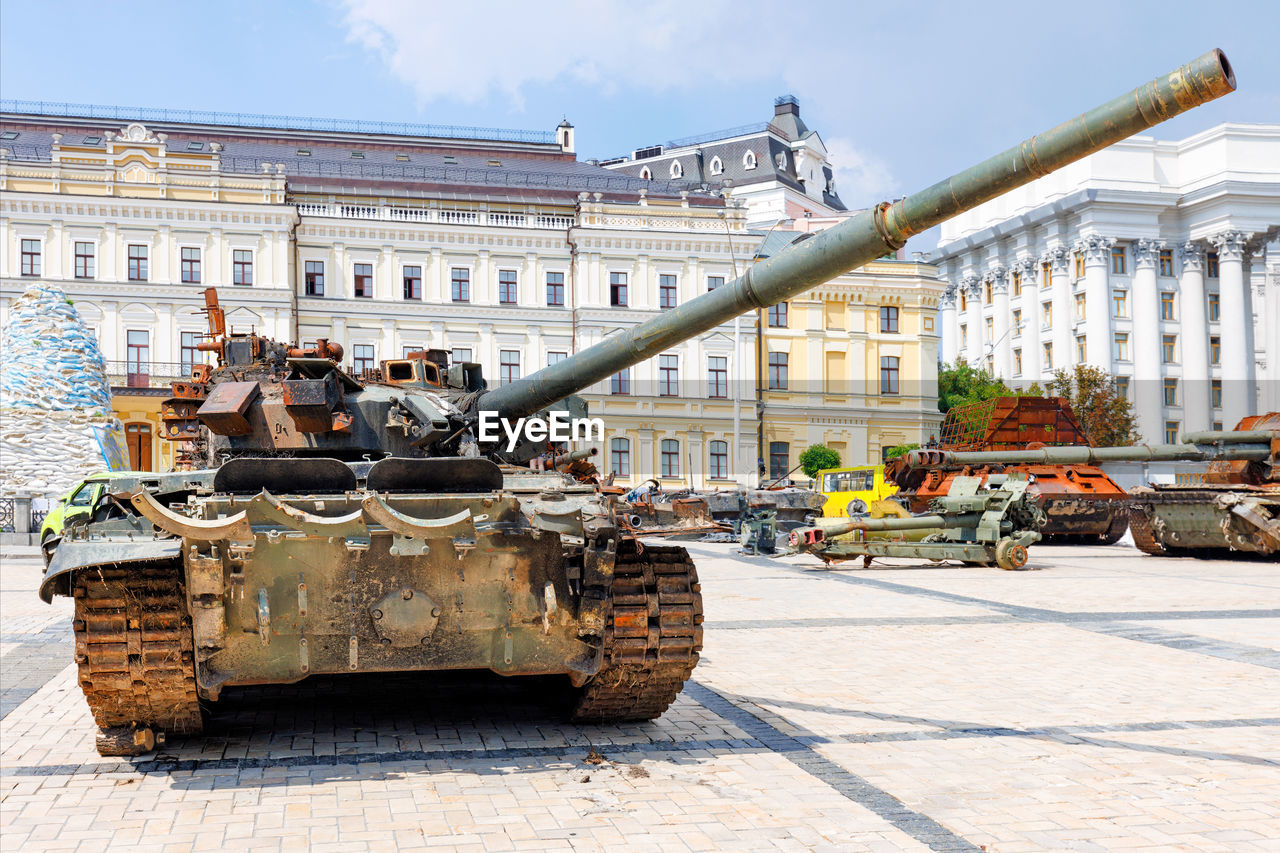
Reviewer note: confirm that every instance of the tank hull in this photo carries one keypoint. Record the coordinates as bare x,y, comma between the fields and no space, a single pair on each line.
1207,521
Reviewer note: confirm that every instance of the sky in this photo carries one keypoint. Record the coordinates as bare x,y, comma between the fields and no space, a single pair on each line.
902,94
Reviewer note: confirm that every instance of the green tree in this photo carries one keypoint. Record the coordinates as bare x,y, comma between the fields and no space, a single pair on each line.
1106,417
899,450
816,457
961,384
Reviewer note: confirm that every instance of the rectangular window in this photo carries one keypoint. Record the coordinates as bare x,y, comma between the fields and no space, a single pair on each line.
668,376
137,263
1048,356
1120,303
1082,350
508,366
991,365
31,257
1080,306
1211,265
408,349
670,457
1171,432
888,374
315,278
779,459
1122,346
986,298
666,291
363,281
1215,394
190,354
1017,284
964,300
460,284
1166,305
1215,307
556,357
190,265
618,289
718,460
242,267
460,355
964,336
1017,322
507,290
363,357
778,371
620,456
412,276
1215,350
714,281
1117,260
620,382
1171,392
717,377
778,316
1166,262
138,358
990,324
1079,263
1169,349
84,260
1017,362
1046,275
1047,313
1122,387
888,319
555,289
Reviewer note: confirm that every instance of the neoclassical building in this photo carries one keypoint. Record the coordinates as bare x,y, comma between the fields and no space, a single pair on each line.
500,247
1156,261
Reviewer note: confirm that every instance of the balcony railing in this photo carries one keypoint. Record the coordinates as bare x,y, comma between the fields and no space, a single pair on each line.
146,374
442,216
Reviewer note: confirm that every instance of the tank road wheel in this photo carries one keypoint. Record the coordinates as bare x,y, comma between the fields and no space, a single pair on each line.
1143,536
135,653
1115,531
1010,555
653,634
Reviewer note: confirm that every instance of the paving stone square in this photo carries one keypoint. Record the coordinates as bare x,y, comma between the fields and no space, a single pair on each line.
1100,700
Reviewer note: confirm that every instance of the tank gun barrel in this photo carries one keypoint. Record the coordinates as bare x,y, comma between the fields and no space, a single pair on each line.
574,456
871,234
1252,451
1226,436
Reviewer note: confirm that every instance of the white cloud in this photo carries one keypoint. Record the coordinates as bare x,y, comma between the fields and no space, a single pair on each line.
469,51
861,179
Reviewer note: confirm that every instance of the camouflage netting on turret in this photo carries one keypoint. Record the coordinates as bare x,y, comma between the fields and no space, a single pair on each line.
55,400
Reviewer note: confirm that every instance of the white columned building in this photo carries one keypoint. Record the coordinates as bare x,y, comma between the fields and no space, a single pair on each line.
1157,261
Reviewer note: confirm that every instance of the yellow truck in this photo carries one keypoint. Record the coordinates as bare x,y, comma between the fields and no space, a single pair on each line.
850,491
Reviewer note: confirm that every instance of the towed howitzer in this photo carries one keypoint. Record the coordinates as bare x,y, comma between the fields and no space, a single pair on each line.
978,523
1234,506
371,524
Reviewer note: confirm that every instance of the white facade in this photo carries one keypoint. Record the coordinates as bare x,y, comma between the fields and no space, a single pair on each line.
1157,261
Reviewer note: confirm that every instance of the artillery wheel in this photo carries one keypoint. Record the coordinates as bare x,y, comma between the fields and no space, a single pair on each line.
135,651
653,634
1010,555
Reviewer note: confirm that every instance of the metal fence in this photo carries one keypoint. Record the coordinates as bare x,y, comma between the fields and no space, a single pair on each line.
7,512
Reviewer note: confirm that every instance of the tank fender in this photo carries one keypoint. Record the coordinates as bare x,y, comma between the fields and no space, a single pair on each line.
267,507
73,555
235,528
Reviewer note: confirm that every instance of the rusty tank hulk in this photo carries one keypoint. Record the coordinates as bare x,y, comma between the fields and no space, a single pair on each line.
1234,507
339,524
1082,504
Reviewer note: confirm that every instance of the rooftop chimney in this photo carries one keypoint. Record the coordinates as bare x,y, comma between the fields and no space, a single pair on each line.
786,104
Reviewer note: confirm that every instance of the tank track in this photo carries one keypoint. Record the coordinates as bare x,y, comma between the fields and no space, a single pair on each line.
1143,536
653,635
135,650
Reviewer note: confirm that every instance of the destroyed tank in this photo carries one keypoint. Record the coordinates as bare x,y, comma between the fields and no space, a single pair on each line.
349,524
1234,507
1082,504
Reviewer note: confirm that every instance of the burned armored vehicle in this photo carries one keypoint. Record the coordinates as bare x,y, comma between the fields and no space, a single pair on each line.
338,524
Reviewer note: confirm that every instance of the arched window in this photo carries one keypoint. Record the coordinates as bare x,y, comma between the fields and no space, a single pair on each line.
781,159
716,166
677,171
749,160
645,174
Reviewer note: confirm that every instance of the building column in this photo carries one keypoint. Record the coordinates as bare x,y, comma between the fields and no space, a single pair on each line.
1059,260
1194,350
1238,395
1097,324
1029,334
1002,362
973,320
1147,389
1270,264
946,324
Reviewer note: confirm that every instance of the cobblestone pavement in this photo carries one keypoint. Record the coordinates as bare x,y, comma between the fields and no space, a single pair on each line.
1103,700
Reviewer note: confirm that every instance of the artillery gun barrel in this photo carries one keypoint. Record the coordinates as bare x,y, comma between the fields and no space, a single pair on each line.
1088,455
574,456
871,234
841,526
